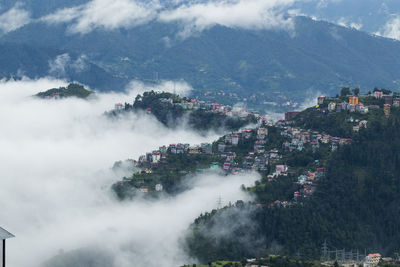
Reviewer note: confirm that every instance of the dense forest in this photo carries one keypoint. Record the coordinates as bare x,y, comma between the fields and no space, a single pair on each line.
355,206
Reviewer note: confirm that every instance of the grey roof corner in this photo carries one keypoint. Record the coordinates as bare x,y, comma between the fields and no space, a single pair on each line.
4,234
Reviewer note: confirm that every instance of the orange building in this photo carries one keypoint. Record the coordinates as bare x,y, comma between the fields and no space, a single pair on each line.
353,100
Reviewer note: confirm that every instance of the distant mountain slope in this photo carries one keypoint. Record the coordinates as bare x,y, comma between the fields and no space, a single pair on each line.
368,15
17,60
24,60
316,56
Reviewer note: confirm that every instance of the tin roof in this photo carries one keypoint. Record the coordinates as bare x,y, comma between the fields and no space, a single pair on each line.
5,234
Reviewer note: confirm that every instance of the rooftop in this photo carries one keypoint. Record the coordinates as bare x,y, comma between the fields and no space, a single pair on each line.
5,234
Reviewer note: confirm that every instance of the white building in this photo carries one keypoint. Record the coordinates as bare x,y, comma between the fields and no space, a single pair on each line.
372,260
156,156
159,187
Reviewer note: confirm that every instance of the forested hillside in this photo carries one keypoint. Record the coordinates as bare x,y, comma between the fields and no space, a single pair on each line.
355,206
314,56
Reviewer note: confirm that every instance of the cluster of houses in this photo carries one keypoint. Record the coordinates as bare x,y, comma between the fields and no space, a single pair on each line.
300,137
154,157
256,159
195,104
354,103
307,184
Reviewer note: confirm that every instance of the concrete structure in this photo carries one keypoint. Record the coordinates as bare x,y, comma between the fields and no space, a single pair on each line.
159,187
372,260
332,106
4,234
388,99
378,94
119,106
396,102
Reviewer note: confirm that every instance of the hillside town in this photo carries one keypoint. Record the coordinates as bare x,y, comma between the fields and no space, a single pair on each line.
271,148
248,149
355,103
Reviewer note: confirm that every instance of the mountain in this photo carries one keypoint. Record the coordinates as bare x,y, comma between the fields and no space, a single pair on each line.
315,56
17,60
367,15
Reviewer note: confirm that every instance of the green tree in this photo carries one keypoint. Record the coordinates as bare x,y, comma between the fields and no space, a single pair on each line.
356,91
345,91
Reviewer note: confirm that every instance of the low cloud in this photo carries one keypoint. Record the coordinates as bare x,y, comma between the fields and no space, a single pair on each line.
234,227
391,28
63,63
14,18
324,3
181,87
55,186
348,24
195,16
104,14
311,99
248,14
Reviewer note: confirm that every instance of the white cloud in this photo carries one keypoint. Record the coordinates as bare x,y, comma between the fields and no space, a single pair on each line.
59,65
14,18
109,15
248,14
104,14
311,99
356,26
391,28
55,181
63,62
344,22
181,88
324,3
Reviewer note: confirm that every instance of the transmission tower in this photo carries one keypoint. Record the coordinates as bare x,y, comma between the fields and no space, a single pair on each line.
219,203
325,252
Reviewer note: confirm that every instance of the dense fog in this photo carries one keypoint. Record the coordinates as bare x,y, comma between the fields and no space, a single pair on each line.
55,182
